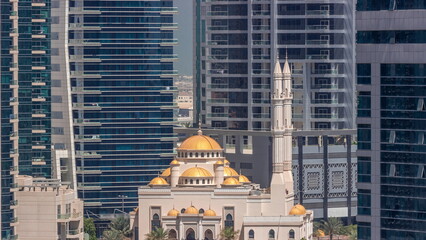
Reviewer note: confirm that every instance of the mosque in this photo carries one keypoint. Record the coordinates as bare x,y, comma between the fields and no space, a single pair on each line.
200,194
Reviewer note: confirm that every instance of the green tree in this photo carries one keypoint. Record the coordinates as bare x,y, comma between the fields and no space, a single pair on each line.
121,225
157,234
331,226
351,231
112,235
228,233
89,228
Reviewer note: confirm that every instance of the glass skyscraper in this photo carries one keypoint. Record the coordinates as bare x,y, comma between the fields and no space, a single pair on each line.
391,78
236,44
121,71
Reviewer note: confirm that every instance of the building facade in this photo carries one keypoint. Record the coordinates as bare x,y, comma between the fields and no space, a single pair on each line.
47,210
236,44
121,77
391,119
201,177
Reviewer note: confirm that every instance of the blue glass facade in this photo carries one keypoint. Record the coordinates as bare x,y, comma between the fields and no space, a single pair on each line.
6,113
122,73
391,120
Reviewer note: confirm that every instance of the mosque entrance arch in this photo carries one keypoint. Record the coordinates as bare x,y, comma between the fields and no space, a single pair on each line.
208,235
190,234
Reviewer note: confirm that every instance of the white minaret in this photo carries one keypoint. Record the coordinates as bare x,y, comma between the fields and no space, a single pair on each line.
282,127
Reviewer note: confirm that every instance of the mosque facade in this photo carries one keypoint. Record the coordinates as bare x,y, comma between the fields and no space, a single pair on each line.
200,194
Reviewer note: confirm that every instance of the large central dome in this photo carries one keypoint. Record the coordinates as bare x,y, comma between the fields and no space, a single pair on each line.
200,142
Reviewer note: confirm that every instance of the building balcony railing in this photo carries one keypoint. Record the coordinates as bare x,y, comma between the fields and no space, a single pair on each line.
218,100
261,42
317,42
262,86
324,101
318,56
217,13
261,115
261,12
256,57
261,27
218,115
261,71
14,202
262,101
325,86
325,115
63,216
317,12
317,27
218,28
14,220
325,71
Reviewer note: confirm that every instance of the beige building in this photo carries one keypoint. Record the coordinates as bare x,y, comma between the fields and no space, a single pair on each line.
200,194
47,210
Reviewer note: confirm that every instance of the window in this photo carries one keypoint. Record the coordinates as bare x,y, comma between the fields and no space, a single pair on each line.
201,211
271,234
229,222
251,234
291,234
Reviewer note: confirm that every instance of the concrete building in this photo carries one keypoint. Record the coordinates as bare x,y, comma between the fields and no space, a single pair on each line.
47,210
236,44
213,196
391,48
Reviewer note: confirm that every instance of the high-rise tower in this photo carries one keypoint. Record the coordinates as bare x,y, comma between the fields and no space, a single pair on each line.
391,87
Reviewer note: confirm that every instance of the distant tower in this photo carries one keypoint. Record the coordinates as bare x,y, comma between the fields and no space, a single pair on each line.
282,128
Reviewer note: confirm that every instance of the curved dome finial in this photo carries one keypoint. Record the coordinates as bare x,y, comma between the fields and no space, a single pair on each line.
199,126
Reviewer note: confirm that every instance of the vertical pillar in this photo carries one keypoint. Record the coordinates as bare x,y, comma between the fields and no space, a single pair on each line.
325,158
300,160
349,169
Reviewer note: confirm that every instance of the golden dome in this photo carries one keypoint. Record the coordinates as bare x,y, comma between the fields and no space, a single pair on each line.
297,210
200,142
243,179
174,162
230,172
196,172
320,233
219,162
158,181
231,181
210,213
226,162
173,213
191,210
165,173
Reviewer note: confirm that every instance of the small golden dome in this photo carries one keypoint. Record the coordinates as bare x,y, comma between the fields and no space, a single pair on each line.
173,213
174,162
219,162
210,213
200,142
158,181
165,173
196,172
320,233
243,179
231,181
226,162
191,210
297,210
230,172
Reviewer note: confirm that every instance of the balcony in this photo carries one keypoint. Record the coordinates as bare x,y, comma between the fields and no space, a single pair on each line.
63,217
318,12
87,106
14,170
87,122
82,90
169,10
262,86
38,114
14,135
325,86
73,42
88,138
38,161
39,99
261,12
261,42
261,115
218,100
325,71
86,154
318,56
317,27
13,50
262,101
317,42
217,115
13,101
324,101
217,13
38,3
261,27
324,116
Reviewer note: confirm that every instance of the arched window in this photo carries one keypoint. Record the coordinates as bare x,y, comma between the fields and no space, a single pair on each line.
208,154
201,211
229,221
196,154
155,222
217,154
172,234
191,181
204,181
251,234
190,154
291,234
190,234
182,210
271,234
202,154
198,181
208,235
186,155
186,181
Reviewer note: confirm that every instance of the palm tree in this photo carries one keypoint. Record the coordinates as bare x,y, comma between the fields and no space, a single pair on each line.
331,226
112,235
228,233
158,234
121,225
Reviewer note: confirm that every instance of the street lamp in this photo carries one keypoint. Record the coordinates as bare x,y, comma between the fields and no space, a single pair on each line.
122,201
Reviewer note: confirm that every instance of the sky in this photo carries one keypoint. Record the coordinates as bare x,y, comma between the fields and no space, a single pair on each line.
184,35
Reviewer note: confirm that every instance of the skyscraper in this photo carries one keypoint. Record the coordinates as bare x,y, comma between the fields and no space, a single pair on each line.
37,138
391,119
235,45
121,63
